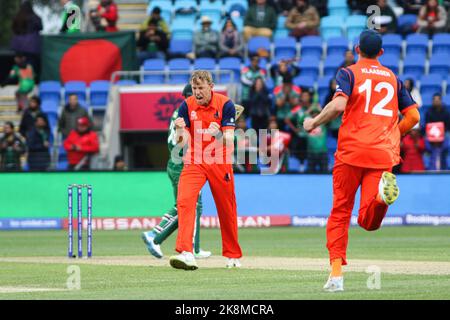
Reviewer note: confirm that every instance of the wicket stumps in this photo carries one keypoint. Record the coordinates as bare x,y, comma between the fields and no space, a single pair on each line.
70,192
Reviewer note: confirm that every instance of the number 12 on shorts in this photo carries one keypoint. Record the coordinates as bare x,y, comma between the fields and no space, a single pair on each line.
378,109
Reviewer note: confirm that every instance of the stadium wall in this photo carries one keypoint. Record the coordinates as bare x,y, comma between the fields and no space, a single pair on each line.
136,200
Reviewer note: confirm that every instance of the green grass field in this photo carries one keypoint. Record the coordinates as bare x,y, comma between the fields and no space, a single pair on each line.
415,264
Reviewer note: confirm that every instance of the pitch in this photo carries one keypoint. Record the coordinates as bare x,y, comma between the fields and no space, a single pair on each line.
279,263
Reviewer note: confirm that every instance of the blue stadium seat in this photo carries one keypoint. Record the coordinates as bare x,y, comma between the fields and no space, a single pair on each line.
210,9
126,82
256,43
179,64
281,34
440,64
49,106
336,46
331,65
311,46
182,28
154,65
416,43
430,84
99,93
441,43
285,47
309,66
281,22
414,64
270,85
392,44
52,120
355,24
167,16
446,101
304,82
180,47
323,88
50,90
164,5
236,5
185,4
205,64
338,8
427,100
406,76
406,20
390,61
331,26
230,63
75,87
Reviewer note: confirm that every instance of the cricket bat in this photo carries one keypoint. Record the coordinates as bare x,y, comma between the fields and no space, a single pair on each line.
239,110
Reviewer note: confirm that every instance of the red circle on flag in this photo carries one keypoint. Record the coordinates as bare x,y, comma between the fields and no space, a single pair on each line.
90,60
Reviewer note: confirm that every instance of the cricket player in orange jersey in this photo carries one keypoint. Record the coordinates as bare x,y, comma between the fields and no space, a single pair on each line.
371,97
206,123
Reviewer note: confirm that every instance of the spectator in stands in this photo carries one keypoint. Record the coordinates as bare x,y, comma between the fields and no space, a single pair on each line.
30,114
259,105
303,20
349,59
231,43
437,117
412,149
12,147
23,73
387,18
282,7
156,16
26,39
38,143
360,6
152,43
260,20
119,164
411,6
70,17
277,142
81,145
248,76
206,41
285,67
432,18
105,17
287,96
335,124
415,93
317,150
71,113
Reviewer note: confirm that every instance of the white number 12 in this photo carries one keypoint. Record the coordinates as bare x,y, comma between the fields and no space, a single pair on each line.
378,109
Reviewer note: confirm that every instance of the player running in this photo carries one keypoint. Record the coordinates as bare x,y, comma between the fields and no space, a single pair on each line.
169,222
371,97
206,119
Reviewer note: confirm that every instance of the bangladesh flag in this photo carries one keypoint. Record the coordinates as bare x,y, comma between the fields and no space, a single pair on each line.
87,56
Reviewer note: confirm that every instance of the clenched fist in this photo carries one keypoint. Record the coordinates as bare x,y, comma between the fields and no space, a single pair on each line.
214,129
309,124
179,123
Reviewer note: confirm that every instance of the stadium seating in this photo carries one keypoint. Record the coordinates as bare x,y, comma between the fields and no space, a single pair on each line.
331,26
355,24
256,43
236,5
49,106
391,61
164,5
285,47
206,64
406,20
417,43
304,82
230,63
179,64
153,65
50,90
52,120
281,34
392,44
98,97
75,87
309,66
440,64
338,8
183,5
211,9
180,47
270,85
441,43
446,101
414,64
311,46
239,22
337,46
430,84
126,82
183,28
427,100
331,64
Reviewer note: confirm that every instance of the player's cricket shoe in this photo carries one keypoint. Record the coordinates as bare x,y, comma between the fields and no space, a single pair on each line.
233,263
152,247
202,254
185,260
334,284
387,188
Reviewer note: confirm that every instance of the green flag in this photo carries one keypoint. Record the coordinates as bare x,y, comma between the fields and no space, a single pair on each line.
87,56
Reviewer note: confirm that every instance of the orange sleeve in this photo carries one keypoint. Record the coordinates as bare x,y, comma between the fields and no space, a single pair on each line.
410,119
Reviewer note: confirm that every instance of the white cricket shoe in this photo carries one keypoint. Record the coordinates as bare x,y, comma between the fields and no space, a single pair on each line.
185,260
387,188
334,284
152,247
233,263
202,254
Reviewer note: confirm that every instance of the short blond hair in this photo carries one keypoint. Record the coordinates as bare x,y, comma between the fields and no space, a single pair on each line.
201,75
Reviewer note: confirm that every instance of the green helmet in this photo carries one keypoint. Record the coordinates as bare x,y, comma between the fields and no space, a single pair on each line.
187,91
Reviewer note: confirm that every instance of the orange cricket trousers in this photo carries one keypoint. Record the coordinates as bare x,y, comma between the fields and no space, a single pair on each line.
221,181
346,181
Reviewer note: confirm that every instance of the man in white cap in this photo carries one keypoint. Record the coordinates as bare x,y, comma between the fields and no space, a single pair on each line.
206,40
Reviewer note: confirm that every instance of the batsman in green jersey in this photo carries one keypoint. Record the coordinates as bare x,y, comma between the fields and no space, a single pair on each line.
169,222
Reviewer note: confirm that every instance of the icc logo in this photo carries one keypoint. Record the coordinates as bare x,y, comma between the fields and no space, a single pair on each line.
165,107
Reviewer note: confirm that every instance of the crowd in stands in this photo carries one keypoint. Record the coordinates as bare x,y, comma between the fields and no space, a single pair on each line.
270,89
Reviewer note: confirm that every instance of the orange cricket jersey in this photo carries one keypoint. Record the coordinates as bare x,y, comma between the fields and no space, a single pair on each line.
369,135
198,118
